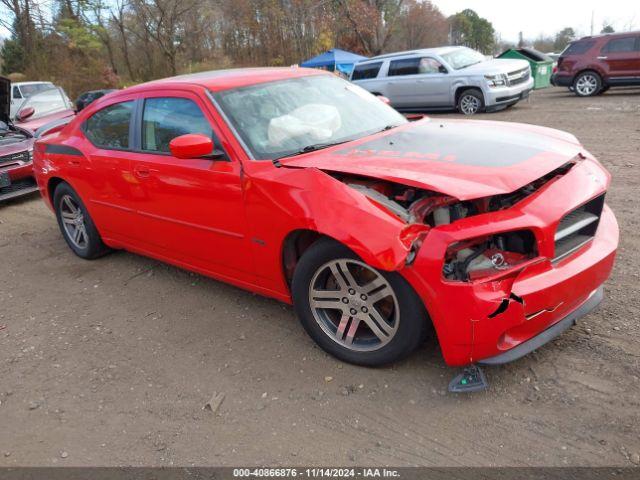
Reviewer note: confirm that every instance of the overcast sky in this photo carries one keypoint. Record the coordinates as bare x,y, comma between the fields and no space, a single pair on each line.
546,17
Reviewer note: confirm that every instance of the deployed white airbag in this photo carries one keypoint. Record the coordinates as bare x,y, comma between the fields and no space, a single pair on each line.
315,119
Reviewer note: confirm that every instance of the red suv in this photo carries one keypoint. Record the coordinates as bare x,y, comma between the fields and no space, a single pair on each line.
591,65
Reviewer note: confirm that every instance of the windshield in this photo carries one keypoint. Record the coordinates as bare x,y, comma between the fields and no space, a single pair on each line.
281,118
462,58
47,102
32,88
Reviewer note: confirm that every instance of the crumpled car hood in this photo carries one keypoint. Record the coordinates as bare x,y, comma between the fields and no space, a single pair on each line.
465,159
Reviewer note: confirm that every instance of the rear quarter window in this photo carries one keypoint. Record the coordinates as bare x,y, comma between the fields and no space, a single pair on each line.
578,48
363,72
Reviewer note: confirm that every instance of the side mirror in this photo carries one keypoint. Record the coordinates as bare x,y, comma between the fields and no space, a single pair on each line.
25,113
414,117
192,145
443,69
384,99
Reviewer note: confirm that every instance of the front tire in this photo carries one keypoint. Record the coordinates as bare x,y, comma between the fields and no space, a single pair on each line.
76,224
587,84
470,102
354,312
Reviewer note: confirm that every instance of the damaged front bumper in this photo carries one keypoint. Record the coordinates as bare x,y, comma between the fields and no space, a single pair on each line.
549,334
502,317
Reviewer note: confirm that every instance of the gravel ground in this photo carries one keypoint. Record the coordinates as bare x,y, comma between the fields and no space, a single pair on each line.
110,362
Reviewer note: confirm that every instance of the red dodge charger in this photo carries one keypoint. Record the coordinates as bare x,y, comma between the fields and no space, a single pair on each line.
297,185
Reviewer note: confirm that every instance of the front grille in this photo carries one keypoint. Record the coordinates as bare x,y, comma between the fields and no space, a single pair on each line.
519,76
15,157
18,188
577,228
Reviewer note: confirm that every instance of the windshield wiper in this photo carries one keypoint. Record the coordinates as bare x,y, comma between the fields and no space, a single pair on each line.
320,146
387,127
470,64
308,149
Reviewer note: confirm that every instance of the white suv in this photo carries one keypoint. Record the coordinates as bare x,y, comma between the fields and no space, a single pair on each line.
445,78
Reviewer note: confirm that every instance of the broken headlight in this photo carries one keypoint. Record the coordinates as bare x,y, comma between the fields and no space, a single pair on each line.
481,257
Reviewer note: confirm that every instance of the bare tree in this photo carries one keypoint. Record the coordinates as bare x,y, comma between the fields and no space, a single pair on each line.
373,21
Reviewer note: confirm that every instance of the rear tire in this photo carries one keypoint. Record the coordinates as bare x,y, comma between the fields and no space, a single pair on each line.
354,312
76,224
470,102
587,84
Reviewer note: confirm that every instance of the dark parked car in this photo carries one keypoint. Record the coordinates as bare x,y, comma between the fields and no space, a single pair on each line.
87,97
592,65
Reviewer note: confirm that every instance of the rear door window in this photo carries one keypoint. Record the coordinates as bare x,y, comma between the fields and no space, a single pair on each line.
368,70
109,128
414,66
620,45
406,66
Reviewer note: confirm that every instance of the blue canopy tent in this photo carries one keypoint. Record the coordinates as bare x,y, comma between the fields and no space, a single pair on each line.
334,59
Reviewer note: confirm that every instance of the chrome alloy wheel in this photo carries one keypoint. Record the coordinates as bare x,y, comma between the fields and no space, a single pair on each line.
469,104
354,305
587,84
73,222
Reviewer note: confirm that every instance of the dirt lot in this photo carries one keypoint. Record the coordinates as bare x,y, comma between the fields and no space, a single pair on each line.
110,362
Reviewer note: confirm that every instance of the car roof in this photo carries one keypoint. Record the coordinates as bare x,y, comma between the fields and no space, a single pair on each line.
217,80
419,51
604,35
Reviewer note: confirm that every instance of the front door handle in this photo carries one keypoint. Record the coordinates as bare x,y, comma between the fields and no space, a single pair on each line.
602,58
143,171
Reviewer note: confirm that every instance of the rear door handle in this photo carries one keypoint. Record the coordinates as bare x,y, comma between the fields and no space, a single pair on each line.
602,58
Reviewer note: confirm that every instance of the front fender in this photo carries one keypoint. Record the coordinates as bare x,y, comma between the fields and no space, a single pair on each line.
341,212
309,199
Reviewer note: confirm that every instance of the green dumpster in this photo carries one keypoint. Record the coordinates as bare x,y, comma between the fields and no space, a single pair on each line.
541,64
